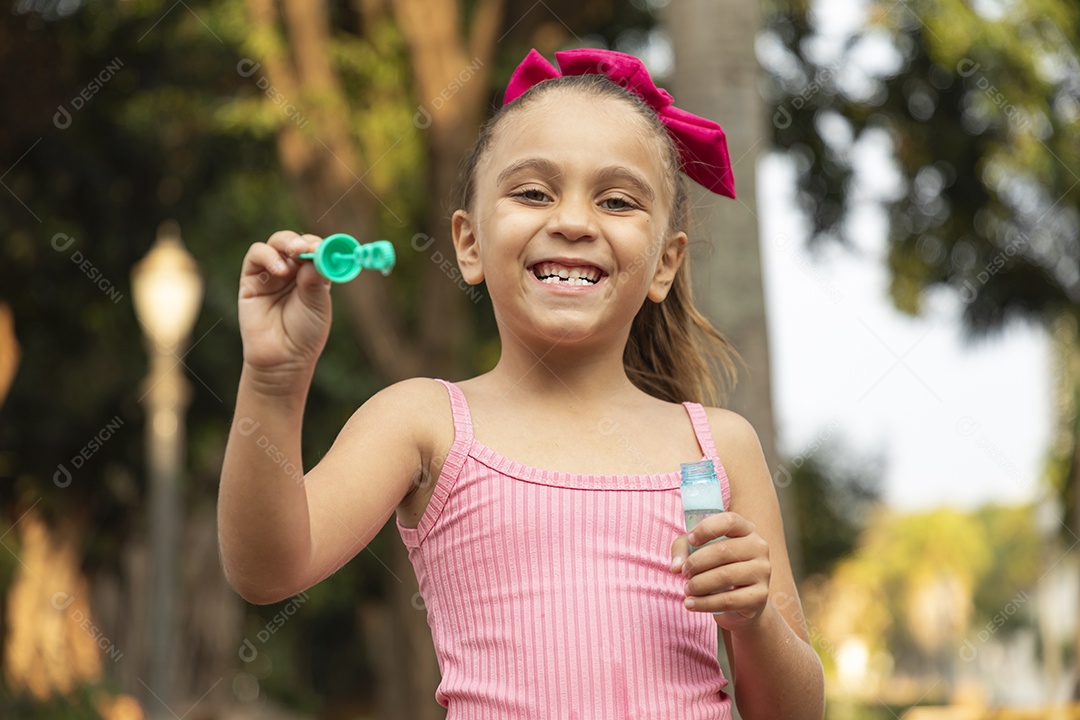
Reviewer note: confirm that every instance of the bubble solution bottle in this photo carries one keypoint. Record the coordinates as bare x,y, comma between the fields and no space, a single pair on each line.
701,496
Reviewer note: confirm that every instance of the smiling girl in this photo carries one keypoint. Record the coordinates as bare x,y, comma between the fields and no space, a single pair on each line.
539,501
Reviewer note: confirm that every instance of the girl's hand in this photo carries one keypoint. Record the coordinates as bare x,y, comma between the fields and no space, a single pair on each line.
284,305
741,562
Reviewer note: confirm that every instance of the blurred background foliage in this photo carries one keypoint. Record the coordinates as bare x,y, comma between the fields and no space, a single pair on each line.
179,118
979,104
980,108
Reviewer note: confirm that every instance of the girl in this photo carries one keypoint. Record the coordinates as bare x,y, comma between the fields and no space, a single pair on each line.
540,502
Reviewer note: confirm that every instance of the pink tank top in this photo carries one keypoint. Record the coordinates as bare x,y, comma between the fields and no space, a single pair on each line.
550,594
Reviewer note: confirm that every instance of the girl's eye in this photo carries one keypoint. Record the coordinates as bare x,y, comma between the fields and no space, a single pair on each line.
531,194
621,203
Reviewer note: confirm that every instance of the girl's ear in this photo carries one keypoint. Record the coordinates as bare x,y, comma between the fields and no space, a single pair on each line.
467,247
670,260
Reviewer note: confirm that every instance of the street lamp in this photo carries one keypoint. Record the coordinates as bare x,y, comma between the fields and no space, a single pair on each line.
167,291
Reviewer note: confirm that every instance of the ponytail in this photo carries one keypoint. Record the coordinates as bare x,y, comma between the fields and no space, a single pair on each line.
674,353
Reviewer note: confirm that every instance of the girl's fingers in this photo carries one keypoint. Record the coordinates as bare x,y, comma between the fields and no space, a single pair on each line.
725,524
745,574
265,270
731,575
313,287
748,601
680,548
290,244
725,552
275,258
260,257
281,240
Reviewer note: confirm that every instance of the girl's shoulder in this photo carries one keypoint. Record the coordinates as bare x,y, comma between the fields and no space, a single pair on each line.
739,447
424,404
730,423
412,393
416,386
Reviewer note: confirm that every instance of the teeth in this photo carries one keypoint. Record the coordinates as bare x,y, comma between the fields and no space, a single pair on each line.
553,272
556,280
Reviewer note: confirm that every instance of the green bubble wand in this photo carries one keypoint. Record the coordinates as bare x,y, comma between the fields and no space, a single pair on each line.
341,257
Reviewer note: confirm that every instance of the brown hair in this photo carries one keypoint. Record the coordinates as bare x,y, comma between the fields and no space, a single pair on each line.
673,352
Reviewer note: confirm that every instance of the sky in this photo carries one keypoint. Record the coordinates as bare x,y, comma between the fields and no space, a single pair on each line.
957,424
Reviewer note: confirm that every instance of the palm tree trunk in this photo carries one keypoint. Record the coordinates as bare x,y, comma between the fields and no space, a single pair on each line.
451,71
1065,480
716,75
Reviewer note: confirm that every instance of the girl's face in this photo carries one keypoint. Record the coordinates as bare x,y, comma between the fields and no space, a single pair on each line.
570,220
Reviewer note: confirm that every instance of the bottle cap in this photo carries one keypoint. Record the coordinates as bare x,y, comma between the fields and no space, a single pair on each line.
698,471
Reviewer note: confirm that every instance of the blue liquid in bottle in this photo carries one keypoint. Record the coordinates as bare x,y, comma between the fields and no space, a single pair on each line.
701,496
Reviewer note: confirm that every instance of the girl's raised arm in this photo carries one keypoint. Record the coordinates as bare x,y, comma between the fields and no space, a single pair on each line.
281,530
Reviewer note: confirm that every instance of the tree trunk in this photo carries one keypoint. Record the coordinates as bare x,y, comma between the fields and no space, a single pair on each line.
1065,449
716,76
323,165
1070,493
451,73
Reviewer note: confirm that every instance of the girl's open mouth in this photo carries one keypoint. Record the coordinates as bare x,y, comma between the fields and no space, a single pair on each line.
552,273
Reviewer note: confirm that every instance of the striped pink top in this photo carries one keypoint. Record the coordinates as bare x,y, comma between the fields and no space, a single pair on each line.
550,594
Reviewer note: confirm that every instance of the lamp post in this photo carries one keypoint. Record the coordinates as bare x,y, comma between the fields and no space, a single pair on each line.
167,291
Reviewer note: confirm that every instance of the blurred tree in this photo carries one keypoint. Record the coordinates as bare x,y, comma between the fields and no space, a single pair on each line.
236,118
980,104
917,584
834,497
1017,564
95,155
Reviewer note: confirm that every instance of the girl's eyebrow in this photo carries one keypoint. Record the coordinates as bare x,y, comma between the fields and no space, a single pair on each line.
543,167
606,174
628,176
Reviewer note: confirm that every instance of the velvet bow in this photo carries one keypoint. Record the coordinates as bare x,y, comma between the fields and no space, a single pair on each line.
703,151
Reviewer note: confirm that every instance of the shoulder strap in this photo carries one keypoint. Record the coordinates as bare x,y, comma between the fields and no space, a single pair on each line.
452,465
462,417
703,431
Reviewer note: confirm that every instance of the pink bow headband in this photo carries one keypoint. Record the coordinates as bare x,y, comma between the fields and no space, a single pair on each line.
703,151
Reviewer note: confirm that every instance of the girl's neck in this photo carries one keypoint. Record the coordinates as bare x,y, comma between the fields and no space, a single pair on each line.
577,375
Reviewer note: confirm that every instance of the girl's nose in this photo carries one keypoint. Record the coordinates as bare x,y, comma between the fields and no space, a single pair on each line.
573,219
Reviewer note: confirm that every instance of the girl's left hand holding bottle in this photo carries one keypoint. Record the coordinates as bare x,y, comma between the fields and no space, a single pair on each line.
739,561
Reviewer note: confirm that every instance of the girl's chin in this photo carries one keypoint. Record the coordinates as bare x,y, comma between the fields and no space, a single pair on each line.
561,330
